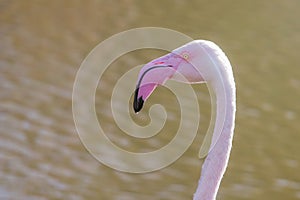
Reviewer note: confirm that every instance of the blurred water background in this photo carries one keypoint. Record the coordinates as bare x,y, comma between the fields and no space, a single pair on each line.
42,44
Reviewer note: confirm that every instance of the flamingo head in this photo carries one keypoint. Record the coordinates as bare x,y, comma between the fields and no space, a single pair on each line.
158,71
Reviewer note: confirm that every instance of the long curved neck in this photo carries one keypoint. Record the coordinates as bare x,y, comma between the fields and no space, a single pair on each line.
225,105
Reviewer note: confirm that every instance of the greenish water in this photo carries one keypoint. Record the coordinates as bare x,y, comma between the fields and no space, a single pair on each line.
42,44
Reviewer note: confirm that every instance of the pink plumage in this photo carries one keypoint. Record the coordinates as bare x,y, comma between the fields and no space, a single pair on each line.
199,61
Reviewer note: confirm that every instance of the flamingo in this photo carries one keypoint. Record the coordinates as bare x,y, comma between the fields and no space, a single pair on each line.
199,61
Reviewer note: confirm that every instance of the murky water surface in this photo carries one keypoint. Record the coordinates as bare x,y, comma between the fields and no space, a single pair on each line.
42,44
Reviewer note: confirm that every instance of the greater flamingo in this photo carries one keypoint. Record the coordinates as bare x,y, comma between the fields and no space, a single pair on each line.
199,61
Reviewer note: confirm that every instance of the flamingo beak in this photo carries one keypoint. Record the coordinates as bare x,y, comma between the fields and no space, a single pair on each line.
145,86
138,101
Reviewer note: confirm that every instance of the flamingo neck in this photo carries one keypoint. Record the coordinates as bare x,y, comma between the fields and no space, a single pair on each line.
216,161
217,158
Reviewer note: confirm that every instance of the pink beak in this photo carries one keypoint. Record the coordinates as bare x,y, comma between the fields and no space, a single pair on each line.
148,81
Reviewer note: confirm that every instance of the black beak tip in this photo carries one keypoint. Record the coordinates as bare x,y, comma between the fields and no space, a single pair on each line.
138,102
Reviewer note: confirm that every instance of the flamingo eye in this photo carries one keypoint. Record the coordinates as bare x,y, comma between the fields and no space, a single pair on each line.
185,55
